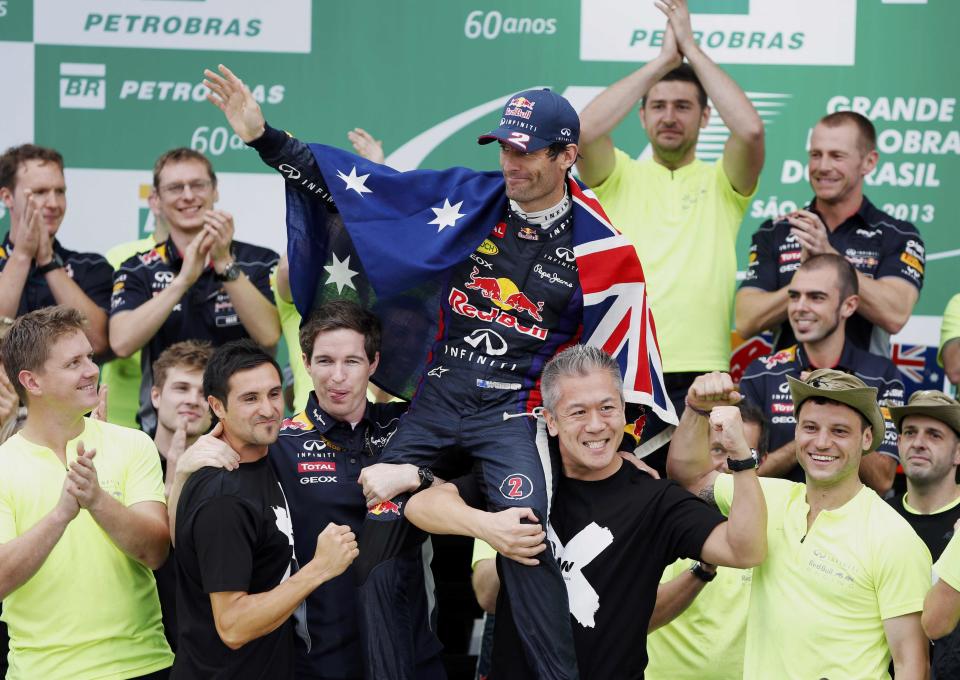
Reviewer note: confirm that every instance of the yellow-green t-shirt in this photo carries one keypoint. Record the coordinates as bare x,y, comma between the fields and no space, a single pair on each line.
947,568
90,611
122,376
951,325
819,599
290,325
684,225
481,551
706,642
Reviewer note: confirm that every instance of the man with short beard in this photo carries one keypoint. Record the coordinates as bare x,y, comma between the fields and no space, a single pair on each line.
682,214
238,580
841,589
823,294
929,445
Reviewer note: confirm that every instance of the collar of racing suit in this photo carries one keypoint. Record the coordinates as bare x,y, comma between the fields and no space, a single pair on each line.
543,218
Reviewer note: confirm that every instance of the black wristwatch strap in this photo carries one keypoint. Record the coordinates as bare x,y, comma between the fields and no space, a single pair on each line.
426,478
746,464
55,263
701,573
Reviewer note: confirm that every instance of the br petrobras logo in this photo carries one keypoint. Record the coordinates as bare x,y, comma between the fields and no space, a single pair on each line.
83,86
731,31
176,24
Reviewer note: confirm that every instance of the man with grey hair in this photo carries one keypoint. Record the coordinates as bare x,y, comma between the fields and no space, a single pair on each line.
604,515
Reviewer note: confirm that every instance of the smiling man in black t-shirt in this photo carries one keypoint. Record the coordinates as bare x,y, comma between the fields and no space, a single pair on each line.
238,582
612,528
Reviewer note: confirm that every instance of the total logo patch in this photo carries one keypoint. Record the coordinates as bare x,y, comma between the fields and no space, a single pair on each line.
316,466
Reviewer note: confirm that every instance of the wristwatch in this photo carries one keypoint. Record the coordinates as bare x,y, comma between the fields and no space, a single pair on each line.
56,262
701,573
230,273
746,464
426,479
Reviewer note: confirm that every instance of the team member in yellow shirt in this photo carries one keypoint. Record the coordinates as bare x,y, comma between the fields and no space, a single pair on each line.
681,213
842,587
941,609
82,518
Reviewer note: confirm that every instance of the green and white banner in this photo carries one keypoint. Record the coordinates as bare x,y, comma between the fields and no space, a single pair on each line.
114,83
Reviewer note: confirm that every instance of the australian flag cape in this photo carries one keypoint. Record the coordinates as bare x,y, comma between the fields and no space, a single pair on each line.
396,235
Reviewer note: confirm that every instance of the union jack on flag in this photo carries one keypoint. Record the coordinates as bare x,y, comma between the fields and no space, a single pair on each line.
408,228
616,315
918,364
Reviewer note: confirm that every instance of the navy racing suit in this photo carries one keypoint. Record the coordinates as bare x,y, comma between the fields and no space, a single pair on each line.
317,460
505,311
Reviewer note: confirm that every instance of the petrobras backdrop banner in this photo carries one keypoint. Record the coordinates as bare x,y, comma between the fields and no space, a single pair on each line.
113,83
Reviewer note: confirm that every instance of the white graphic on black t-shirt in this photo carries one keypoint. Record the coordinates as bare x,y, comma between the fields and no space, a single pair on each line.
283,522
580,551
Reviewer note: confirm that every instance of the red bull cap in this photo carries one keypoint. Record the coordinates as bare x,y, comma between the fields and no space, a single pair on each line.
535,119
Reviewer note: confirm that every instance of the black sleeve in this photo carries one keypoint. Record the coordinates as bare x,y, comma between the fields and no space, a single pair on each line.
685,521
131,288
97,282
469,489
294,160
762,261
225,534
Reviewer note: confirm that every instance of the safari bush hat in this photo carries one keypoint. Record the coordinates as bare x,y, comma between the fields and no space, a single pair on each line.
931,403
843,388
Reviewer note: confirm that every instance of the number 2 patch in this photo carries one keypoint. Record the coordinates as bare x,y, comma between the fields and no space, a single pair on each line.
516,487
519,139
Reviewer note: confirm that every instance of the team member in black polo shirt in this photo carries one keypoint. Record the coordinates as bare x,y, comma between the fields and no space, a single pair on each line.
318,458
887,253
35,270
822,295
238,582
929,445
199,284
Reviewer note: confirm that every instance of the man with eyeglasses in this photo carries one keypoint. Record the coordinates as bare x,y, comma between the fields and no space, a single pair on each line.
200,284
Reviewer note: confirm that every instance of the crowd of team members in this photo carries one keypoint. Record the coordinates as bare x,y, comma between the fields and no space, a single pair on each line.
823,494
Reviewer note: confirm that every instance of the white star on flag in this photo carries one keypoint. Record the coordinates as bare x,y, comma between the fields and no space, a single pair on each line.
340,273
354,182
447,216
